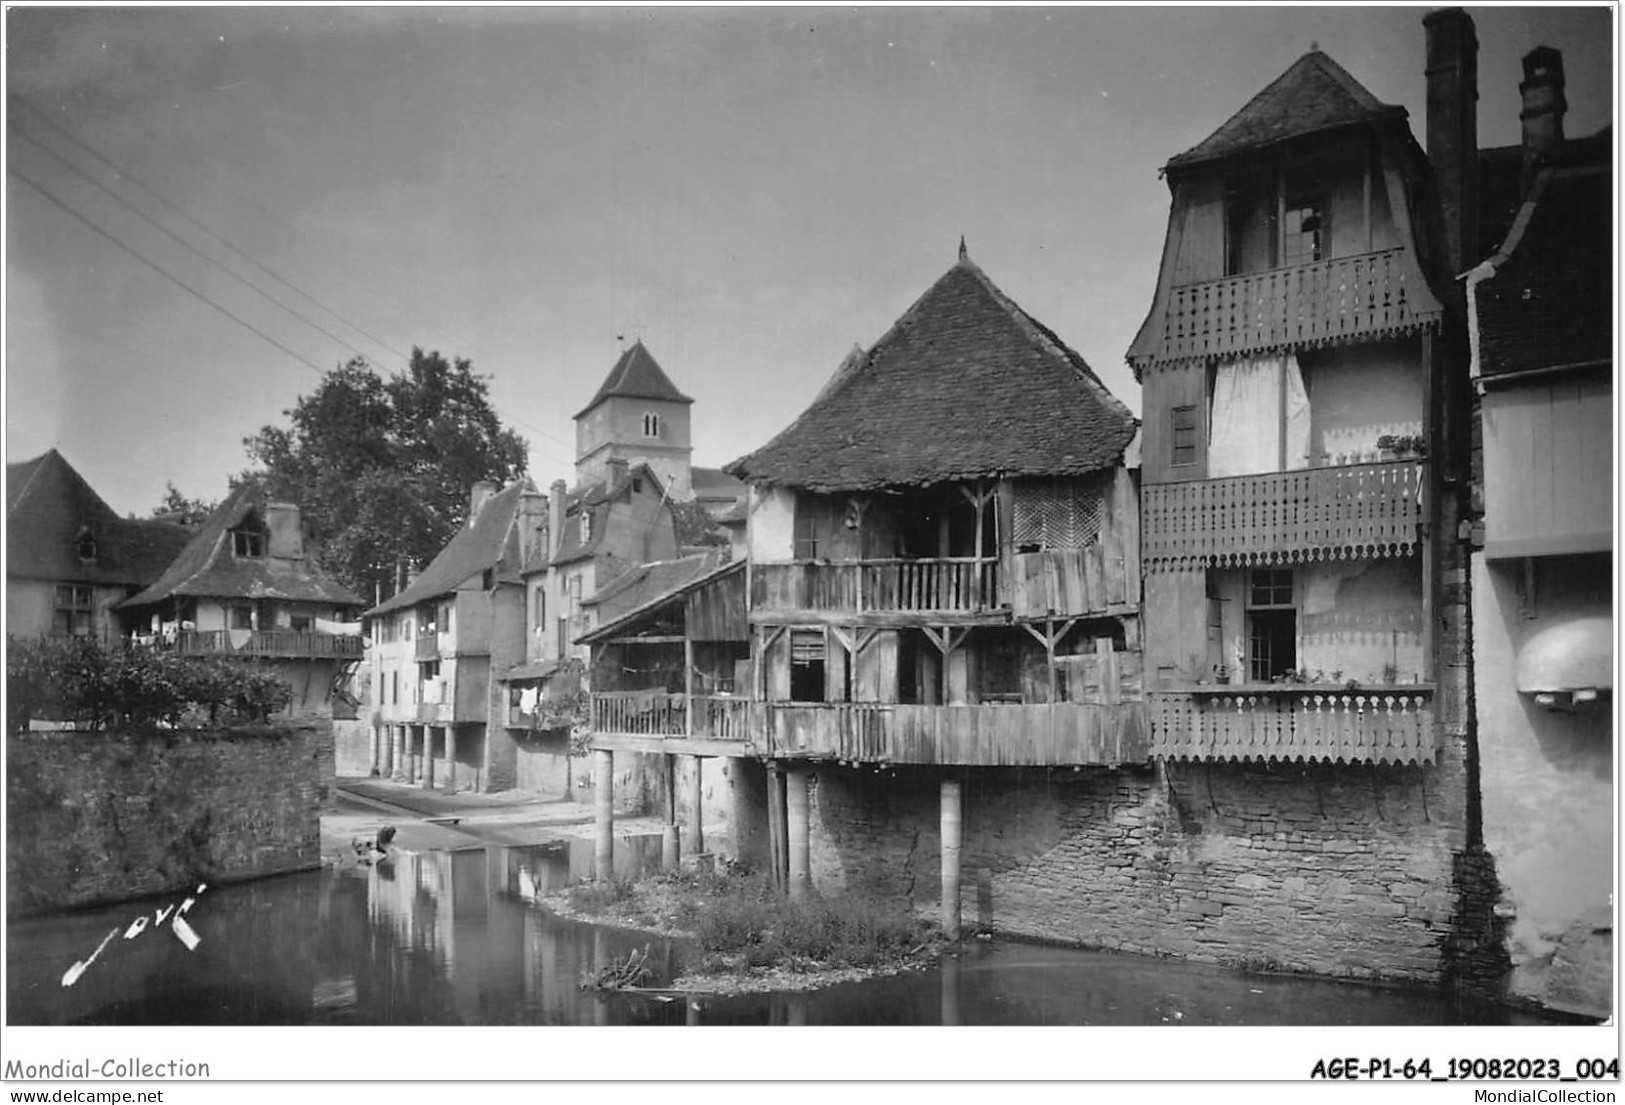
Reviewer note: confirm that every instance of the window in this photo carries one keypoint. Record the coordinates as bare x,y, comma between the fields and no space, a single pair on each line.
240,616
586,526
651,425
395,687
300,623
247,543
539,617
806,536
1303,236
75,611
86,546
429,669
1183,435
1272,624
564,637
807,665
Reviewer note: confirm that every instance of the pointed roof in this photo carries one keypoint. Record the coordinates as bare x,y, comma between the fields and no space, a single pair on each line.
596,499
965,385
207,567
1314,94
636,375
49,507
491,541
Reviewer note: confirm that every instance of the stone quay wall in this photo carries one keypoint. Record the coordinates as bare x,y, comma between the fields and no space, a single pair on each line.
1340,870
93,818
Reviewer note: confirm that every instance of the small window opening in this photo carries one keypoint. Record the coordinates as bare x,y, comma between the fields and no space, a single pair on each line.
1272,625
1183,435
651,425
807,665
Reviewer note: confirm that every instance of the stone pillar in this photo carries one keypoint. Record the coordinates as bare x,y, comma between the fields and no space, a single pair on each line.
951,830
397,752
451,759
694,831
428,757
412,755
795,801
603,800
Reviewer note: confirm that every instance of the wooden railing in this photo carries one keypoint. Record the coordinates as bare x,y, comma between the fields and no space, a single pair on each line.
1386,725
657,714
426,648
1065,733
953,584
270,642
1308,513
1371,295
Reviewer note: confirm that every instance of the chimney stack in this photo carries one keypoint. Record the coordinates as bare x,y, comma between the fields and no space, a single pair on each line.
533,532
555,517
1452,75
477,497
1543,105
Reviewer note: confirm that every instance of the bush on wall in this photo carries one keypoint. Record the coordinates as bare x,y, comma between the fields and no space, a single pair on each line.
78,680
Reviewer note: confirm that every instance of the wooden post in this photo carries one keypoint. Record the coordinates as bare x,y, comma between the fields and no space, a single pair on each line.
951,832
669,853
688,685
694,831
795,802
778,849
603,800
451,759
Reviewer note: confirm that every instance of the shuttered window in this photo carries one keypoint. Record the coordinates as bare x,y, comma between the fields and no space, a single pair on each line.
1057,514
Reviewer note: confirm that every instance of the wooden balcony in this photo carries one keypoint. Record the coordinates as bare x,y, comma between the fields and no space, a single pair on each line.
426,647
1360,510
657,714
954,585
1365,297
270,643
1385,725
1065,733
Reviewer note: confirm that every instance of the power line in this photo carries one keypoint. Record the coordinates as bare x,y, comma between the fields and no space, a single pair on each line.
155,194
188,245
161,271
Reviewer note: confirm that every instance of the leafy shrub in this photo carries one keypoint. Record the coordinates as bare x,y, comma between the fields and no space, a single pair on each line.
77,679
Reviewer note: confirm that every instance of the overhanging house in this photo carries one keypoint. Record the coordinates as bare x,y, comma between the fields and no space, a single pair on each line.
243,587
944,565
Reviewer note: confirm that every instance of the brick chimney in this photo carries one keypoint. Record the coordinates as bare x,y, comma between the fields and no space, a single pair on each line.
1452,75
555,517
1543,105
477,497
533,529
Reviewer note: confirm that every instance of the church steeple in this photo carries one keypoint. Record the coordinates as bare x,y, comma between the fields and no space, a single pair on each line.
637,416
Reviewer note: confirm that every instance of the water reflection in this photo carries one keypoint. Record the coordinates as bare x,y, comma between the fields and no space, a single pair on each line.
455,938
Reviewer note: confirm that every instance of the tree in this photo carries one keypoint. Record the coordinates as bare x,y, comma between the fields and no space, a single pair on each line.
188,512
381,468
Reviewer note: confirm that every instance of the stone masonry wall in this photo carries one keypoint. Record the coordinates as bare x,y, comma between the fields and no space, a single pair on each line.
103,817
1327,869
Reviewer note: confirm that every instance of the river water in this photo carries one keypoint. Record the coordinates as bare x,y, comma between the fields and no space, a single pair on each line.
456,938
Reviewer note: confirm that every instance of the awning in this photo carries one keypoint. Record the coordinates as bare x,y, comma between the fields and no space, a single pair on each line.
530,673
1576,654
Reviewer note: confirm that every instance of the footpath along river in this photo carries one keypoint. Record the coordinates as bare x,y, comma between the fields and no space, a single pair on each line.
455,937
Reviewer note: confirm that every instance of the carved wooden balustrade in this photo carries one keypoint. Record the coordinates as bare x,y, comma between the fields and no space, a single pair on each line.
1385,725
950,584
1279,517
1368,296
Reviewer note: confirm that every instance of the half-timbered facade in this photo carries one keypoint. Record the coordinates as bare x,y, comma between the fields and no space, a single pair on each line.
1288,363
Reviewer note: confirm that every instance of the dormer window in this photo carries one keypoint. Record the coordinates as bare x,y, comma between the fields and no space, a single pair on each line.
651,425
247,543
86,546
586,526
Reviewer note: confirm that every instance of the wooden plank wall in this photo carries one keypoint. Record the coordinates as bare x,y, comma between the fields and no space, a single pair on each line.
716,611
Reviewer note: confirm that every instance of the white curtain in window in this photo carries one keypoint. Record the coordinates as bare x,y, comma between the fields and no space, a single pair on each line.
1248,410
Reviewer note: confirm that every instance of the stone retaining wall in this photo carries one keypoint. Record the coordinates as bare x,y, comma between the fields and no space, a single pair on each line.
103,817
1341,870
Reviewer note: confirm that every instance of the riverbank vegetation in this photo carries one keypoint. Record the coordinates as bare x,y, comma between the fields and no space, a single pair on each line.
752,937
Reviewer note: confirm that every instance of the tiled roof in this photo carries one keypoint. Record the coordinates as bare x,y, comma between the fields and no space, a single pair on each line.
596,499
206,567
965,385
491,542
715,484
636,375
49,506
651,585
1314,94
1550,302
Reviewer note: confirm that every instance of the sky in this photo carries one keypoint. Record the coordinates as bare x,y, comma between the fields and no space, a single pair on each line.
208,207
